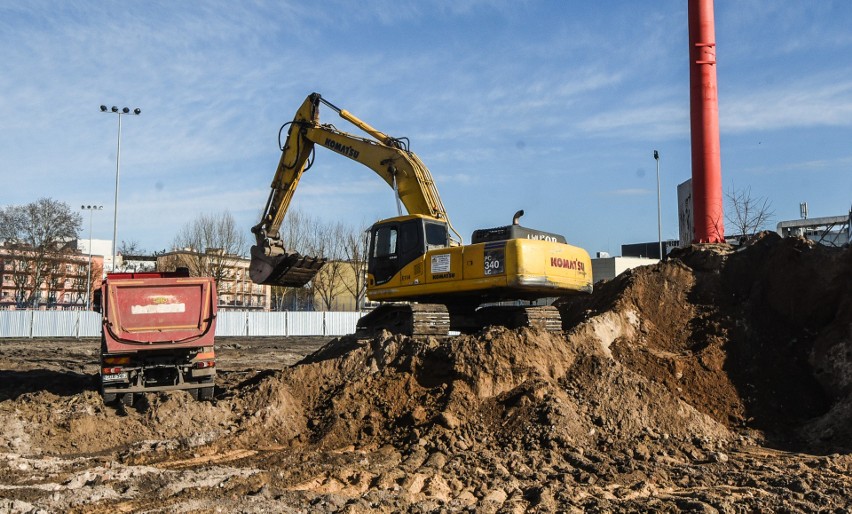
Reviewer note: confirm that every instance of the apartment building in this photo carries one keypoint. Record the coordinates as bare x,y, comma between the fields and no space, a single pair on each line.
57,280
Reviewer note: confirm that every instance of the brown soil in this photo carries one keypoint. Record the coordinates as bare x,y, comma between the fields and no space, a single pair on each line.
717,381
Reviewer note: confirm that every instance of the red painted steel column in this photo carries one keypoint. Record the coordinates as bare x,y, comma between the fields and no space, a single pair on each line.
709,217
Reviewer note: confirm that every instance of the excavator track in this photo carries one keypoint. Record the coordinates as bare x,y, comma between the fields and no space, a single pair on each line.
417,319
427,319
544,317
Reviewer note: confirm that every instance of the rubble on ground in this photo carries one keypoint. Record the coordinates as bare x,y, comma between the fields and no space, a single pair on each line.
719,380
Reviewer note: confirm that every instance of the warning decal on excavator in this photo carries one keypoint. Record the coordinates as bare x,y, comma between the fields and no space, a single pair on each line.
440,263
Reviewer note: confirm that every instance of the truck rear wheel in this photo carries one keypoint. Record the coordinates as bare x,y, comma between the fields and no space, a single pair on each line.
127,399
109,397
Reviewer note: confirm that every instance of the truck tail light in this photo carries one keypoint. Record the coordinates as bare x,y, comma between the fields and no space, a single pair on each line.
110,371
117,360
203,360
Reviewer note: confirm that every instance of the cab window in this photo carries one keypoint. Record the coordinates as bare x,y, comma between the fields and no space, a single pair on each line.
385,242
409,238
436,235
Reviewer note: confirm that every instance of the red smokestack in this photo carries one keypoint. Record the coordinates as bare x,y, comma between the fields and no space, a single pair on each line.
704,105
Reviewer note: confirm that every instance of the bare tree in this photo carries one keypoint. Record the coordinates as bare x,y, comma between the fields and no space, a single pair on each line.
278,295
746,213
37,235
22,279
80,281
131,247
299,232
326,241
292,298
78,290
214,242
337,243
342,274
54,281
355,253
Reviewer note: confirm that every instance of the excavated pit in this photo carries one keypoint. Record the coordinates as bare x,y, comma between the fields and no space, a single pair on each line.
718,380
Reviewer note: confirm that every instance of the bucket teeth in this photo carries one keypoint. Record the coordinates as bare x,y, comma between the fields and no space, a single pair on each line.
288,269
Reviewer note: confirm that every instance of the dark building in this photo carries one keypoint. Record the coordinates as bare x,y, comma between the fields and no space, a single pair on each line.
648,250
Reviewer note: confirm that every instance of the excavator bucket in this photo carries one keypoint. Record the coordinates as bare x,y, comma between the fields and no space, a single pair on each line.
289,269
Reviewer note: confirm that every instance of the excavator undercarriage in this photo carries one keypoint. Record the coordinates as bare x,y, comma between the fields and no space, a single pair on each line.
432,319
544,317
416,319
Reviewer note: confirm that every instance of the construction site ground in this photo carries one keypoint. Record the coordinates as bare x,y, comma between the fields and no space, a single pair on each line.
719,380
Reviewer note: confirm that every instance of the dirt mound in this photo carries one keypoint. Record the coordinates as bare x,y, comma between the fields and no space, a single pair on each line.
83,424
757,337
504,388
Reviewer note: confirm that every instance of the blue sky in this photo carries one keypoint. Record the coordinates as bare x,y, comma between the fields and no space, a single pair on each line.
553,107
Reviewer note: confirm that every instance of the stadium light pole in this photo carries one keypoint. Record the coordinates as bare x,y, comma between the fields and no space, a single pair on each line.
115,110
659,215
91,209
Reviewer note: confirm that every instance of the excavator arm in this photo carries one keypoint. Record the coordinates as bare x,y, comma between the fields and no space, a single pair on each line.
387,156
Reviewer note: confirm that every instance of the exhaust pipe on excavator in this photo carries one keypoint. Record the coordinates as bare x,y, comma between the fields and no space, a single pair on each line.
516,219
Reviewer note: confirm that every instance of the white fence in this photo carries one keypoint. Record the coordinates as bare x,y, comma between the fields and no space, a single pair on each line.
228,323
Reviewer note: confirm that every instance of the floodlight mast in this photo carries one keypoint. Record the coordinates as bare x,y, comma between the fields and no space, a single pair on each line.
114,110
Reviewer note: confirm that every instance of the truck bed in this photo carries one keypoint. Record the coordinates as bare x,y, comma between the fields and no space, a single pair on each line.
151,313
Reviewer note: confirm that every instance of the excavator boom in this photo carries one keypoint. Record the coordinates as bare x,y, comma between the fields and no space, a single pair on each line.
274,264
271,262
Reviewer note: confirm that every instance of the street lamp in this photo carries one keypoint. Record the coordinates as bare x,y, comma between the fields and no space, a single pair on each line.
91,209
659,216
115,110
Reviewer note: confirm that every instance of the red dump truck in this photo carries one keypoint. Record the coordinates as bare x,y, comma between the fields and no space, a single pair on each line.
157,335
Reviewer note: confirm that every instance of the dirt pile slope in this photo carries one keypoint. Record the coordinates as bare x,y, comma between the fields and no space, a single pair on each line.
512,388
760,337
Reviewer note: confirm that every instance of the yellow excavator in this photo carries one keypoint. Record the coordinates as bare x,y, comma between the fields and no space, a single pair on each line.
428,281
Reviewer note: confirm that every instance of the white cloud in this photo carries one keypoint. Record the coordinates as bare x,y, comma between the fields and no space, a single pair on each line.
815,101
808,167
650,121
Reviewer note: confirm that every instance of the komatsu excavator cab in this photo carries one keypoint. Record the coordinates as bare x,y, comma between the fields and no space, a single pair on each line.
395,242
